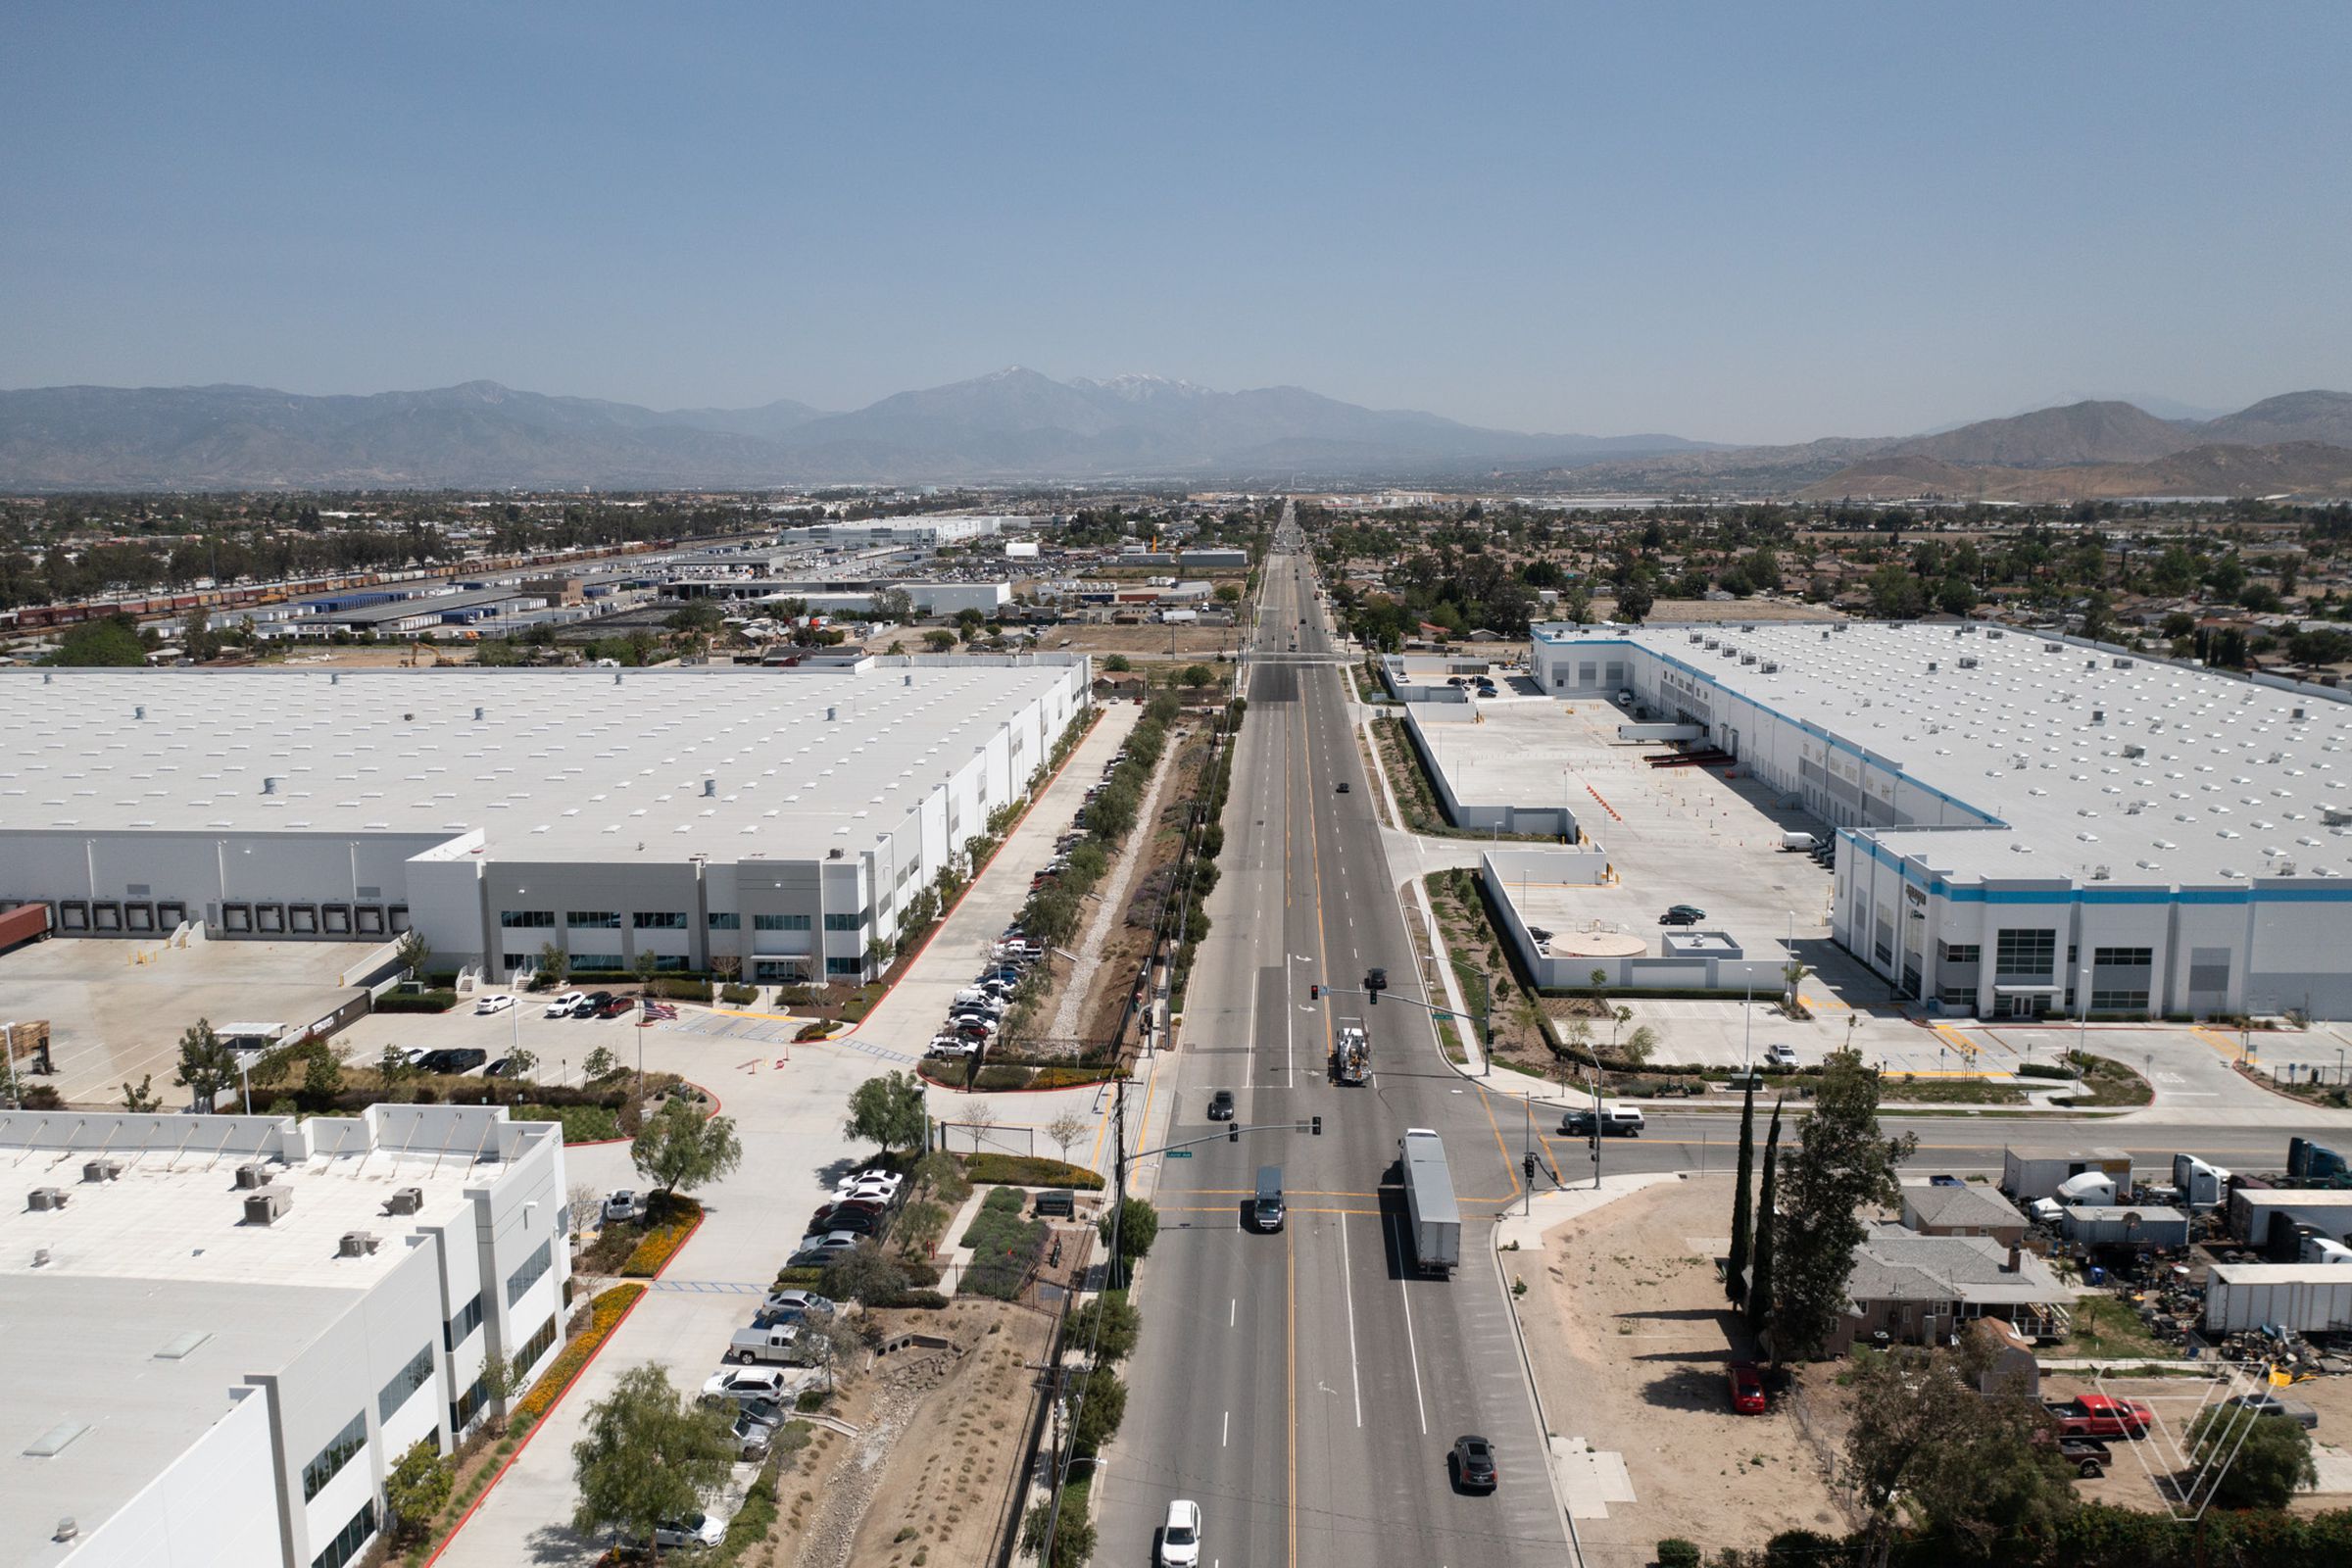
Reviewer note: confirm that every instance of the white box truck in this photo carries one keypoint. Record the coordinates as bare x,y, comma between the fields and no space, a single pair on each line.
1432,1218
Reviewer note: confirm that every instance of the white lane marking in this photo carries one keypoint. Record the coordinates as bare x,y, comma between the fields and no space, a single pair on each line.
1412,1348
1225,1432
1347,1285
1233,1308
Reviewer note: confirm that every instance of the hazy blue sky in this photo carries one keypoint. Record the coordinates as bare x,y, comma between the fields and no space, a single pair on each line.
1744,223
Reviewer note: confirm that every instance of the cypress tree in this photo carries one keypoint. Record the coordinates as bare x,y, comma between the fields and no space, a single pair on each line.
1760,1299
1742,1195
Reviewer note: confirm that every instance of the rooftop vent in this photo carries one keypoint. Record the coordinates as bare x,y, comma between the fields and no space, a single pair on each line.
710,787
268,1204
1969,662
2136,751
2098,715
405,1200
2098,873
1931,666
477,715
1700,637
140,712
253,1175
268,786
45,1199
101,1170
835,852
1771,668
2294,712
358,1244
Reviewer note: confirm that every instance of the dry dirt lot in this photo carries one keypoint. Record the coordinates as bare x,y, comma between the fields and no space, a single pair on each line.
935,1492
2130,1483
1631,1336
1148,642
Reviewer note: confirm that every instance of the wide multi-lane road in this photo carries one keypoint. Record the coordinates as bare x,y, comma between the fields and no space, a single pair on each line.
1305,1387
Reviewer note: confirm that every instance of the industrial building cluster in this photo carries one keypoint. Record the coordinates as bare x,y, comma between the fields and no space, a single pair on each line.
2021,824
783,819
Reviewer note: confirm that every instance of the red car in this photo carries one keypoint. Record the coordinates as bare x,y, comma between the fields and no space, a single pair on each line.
1747,1389
615,1008
2096,1415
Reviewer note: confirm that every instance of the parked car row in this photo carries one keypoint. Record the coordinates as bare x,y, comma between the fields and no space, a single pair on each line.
589,1004
977,1014
860,1210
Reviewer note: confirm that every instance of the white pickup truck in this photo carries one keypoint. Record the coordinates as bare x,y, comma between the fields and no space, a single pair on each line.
785,1343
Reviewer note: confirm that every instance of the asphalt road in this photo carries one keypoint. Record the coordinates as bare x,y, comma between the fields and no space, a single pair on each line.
1304,1387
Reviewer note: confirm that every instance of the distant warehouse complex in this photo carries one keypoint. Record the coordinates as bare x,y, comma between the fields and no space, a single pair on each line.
781,818
2023,818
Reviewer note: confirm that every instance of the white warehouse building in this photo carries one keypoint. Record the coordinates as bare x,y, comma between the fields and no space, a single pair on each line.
781,818
224,1331
2028,824
919,533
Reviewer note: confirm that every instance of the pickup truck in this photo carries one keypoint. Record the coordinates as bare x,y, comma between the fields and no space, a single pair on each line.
783,1343
1616,1121
2096,1415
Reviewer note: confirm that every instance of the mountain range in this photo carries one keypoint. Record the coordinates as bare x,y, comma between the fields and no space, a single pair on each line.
1019,425
2090,449
1014,424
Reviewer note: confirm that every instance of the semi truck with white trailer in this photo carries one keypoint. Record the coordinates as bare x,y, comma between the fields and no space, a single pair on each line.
2307,1297
1434,1220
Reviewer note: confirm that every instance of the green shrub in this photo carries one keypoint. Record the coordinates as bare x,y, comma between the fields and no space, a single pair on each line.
813,1031
1068,1077
1004,1077
2042,1069
1005,1247
1028,1170
739,996
582,1124
1676,1553
438,1001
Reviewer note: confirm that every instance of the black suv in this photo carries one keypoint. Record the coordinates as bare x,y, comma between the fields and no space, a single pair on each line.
462,1059
1474,1467
588,1004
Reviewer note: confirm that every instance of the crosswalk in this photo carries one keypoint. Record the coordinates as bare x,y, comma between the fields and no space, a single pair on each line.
773,1031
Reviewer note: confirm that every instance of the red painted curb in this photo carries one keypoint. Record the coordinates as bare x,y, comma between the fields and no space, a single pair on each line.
536,1426
472,1508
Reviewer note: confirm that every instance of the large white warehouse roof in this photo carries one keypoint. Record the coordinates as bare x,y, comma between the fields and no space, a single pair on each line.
2103,766
656,764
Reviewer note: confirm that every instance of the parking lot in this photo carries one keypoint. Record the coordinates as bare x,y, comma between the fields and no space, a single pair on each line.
117,1008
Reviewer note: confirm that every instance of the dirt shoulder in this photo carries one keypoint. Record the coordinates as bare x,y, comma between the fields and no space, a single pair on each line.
1630,1337
933,1496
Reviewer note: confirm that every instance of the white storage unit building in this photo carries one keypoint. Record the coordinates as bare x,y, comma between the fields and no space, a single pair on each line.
2307,1297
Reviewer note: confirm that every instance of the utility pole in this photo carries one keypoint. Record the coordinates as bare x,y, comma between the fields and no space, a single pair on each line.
1597,1125
1118,1148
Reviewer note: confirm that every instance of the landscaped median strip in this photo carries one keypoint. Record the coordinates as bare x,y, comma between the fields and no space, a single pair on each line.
658,1247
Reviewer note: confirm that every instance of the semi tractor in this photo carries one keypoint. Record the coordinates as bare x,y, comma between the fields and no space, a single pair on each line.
1432,1216
1350,1056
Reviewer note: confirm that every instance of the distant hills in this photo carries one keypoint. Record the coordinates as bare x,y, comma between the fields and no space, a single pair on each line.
2093,448
1018,425
1015,425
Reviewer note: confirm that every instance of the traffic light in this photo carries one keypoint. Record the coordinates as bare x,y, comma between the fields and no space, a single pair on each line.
1318,1123
1233,1132
1527,1163
1314,993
